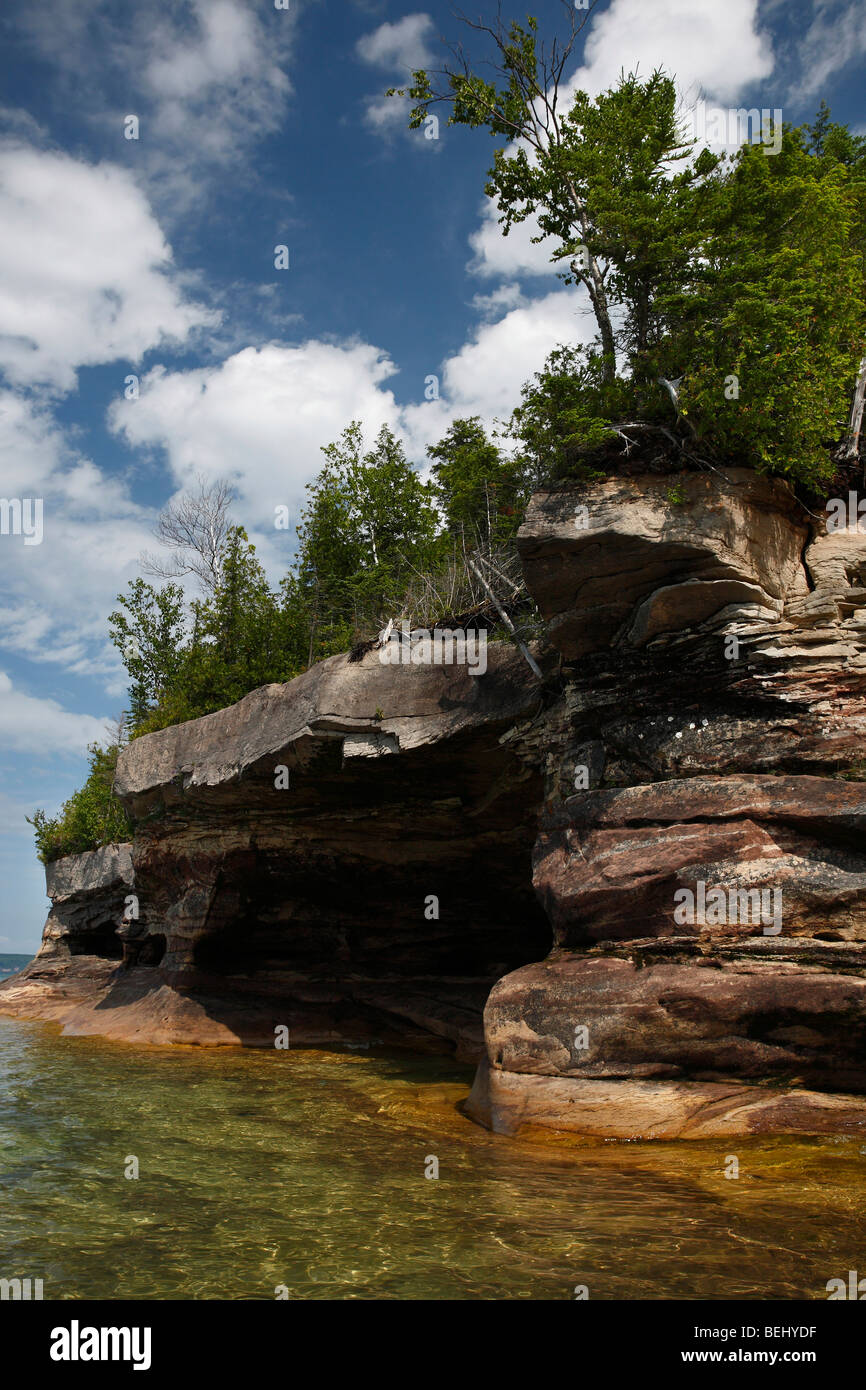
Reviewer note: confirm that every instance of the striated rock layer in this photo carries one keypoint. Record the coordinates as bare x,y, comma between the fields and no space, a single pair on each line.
347,856
386,854
700,858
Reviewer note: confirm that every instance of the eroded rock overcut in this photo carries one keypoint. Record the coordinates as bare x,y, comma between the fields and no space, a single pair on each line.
347,856
697,738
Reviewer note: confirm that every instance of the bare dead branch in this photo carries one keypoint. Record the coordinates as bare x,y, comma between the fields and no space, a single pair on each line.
195,528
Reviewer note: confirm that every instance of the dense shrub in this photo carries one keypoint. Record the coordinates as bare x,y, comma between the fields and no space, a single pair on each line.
91,817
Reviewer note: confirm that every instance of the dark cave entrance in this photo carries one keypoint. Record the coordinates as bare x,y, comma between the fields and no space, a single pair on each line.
152,949
360,922
100,940
393,888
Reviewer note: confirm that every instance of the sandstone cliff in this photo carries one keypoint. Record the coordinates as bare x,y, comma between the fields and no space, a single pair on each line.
371,852
374,899
714,669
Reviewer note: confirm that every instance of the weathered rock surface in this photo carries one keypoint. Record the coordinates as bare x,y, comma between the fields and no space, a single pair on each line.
639,556
685,1016
363,855
508,1102
610,863
715,671
90,938
376,897
88,893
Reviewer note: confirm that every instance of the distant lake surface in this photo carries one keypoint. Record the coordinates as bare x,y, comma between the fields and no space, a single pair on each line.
306,1170
10,963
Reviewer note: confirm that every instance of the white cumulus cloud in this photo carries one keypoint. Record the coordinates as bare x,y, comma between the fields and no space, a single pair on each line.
485,376
720,49
86,275
260,417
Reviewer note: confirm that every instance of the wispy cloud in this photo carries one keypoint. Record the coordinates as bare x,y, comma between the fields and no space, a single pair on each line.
833,43
398,50
207,79
31,724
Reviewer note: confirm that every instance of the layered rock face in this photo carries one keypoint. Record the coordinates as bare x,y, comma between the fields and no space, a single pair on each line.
82,946
701,862
347,857
381,853
88,895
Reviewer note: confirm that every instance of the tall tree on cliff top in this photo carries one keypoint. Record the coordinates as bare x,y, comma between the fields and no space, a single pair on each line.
598,175
369,526
767,332
735,286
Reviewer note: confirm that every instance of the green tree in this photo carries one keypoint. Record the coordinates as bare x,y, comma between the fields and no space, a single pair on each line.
767,333
732,291
597,175
241,637
565,414
238,633
148,629
370,524
91,817
481,491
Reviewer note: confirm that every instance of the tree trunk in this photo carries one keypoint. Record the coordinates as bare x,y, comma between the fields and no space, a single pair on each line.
598,299
608,346
591,277
851,447
314,622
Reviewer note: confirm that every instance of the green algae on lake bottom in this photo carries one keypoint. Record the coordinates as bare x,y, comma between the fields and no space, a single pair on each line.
307,1169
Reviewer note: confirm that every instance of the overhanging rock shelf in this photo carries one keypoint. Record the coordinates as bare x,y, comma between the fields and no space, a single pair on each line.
442,831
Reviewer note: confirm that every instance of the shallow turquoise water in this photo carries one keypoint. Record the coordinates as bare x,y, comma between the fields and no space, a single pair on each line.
306,1169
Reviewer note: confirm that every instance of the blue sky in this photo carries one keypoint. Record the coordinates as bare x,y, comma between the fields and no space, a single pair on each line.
261,127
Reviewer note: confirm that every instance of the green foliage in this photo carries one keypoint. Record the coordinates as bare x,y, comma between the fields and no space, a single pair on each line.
370,524
777,304
148,630
239,633
565,414
482,492
91,817
740,280
756,307
606,196
241,636
620,152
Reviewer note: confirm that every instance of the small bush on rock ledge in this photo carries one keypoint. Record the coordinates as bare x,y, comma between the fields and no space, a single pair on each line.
91,817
